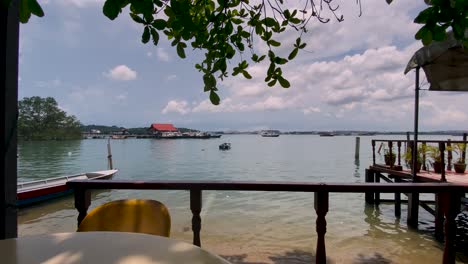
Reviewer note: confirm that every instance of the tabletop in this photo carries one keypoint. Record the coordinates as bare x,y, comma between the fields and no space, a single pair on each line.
102,247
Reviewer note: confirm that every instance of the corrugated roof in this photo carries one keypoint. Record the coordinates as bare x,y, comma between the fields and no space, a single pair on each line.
163,127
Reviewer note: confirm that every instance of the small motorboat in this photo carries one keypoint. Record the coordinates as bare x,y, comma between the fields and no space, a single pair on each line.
225,146
42,190
270,133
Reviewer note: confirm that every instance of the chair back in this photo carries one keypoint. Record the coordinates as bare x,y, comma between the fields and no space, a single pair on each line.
136,215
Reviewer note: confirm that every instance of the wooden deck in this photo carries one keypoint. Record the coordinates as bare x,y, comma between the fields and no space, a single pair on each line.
424,176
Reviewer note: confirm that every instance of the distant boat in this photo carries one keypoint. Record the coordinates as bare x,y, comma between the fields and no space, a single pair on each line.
215,135
326,134
42,190
225,146
270,133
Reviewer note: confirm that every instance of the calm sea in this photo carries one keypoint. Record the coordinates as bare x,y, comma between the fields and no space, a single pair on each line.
244,227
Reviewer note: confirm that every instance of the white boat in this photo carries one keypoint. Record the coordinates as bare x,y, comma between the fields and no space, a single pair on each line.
41,190
270,133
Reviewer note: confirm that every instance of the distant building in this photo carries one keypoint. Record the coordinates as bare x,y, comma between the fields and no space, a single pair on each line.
95,131
164,130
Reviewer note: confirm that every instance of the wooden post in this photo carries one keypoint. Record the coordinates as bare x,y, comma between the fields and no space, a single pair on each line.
413,209
439,218
373,152
109,155
399,153
321,208
9,43
450,204
390,149
442,157
195,207
397,201
369,196
82,203
449,156
357,147
424,157
408,139
464,149
377,194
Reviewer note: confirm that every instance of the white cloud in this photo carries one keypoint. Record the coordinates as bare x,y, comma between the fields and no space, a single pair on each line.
310,110
121,73
162,55
149,54
171,77
81,3
175,106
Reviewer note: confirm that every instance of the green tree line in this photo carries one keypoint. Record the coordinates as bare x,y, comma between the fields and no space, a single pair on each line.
42,119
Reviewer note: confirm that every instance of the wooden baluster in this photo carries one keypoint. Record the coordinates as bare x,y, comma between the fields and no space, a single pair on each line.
424,157
195,207
373,151
449,156
442,157
390,146
450,205
321,208
464,147
82,202
399,153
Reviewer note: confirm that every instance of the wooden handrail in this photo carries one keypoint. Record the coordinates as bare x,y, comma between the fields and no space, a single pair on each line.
447,191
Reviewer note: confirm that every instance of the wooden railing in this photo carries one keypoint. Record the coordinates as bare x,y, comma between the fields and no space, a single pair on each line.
448,193
443,145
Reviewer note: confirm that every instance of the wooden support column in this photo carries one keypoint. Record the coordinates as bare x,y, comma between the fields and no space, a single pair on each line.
321,208
377,194
439,219
450,204
82,203
195,207
413,209
397,201
9,43
369,196
442,157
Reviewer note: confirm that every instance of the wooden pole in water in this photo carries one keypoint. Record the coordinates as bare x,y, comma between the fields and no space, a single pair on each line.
109,155
356,149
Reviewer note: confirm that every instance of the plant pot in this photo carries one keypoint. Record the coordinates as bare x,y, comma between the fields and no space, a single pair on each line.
437,165
389,160
418,166
459,167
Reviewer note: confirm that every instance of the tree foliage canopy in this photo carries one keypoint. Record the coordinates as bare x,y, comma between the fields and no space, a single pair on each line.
42,119
226,28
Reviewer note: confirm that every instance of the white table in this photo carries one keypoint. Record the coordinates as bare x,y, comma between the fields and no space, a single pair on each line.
102,247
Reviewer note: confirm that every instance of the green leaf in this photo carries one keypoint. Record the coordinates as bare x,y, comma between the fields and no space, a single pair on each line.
214,98
283,82
246,74
180,50
24,11
137,19
159,24
146,35
274,43
438,33
155,36
293,54
111,9
35,8
427,38
424,15
421,32
272,83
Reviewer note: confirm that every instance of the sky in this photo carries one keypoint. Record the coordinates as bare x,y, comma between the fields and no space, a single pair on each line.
349,77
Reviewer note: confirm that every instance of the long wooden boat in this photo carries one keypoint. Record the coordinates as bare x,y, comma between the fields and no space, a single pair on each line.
41,190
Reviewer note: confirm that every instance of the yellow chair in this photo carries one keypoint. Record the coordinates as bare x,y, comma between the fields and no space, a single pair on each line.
138,216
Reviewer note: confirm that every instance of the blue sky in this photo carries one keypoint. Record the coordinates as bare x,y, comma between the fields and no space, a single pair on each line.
350,77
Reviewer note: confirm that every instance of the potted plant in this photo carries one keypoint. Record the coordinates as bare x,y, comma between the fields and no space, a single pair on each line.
389,157
419,157
460,165
435,155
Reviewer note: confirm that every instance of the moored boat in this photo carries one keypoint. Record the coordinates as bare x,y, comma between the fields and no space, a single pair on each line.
42,190
225,146
270,133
